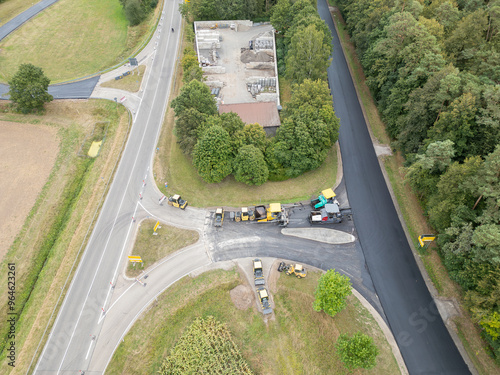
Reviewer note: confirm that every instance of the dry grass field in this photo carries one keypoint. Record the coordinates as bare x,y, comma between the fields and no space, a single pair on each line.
27,155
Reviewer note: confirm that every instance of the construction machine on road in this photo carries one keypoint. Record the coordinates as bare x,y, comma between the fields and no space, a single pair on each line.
258,273
264,301
177,201
219,217
274,213
326,196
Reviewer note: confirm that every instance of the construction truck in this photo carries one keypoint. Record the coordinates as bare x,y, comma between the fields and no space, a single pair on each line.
177,201
219,217
245,214
264,301
330,214
326,196
295,269
273,213
258,273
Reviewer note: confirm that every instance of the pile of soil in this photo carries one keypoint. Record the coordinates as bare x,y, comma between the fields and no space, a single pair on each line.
242,297
251,56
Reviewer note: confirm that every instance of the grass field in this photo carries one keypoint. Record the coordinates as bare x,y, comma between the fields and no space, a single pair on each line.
297,341
414,217
54,234
71,39
172,166
12,8
152,248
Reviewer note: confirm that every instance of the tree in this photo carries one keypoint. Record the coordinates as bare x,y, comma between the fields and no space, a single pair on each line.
357,351
308,56
251,134
314,93
29,89
212,155
281,17
250,167
190,67
331,292
186,129
195,95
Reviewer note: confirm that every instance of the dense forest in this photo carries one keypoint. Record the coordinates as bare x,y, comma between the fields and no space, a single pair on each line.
433,68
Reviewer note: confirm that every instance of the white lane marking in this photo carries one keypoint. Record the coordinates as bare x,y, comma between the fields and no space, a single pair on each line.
88,351
103,314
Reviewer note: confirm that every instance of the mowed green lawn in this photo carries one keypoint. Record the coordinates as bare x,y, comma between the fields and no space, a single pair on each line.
70,39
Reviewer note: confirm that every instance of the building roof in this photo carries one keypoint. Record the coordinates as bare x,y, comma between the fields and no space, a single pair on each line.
263,113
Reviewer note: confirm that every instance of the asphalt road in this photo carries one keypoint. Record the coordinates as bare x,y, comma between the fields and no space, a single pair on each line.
422,337
17,21
70,344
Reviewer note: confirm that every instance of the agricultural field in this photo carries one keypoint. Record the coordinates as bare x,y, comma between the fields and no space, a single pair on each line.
27,153
50,236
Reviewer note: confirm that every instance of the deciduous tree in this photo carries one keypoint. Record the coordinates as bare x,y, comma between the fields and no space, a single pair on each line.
212,155
195,95
249,166
29,89
331,292
358,351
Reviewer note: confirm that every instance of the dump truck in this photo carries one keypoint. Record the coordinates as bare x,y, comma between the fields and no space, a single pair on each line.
177,201
264,301
219,217
295,269
258,273
326,196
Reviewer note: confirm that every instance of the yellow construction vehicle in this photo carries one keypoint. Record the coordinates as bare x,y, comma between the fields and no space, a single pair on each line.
273,213
219,217
244,215
296,269
264,301
177,201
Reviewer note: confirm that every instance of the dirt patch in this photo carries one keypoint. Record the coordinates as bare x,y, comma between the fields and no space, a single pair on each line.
242,297
27,155
251,56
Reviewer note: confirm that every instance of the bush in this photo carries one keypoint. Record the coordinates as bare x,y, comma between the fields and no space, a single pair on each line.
357,351
331,292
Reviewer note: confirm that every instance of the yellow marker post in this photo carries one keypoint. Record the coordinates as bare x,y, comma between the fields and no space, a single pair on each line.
156,227
426,238
135,259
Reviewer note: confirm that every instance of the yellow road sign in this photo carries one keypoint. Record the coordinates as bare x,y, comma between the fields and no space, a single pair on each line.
134,258
156,226
426,238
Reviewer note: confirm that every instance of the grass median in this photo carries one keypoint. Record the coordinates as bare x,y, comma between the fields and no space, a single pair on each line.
154,247
297,341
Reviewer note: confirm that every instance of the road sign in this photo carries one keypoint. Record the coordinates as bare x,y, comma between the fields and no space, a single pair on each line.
135,259
156,226
426,238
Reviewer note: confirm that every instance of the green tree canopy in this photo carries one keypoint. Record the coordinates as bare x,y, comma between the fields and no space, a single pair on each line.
251,134
28,89
331,292
308,56
281,16
358,351
212,155
249,166
195,95
190,67
186,129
